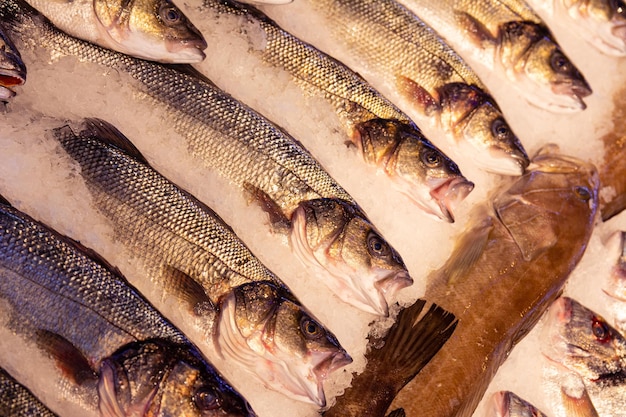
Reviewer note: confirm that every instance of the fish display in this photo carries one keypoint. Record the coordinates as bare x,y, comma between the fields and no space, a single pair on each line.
326,227
409,63
192,255
509,37
385,136
152,29
17,401
539,222
418,333
114,353
12,68
582,341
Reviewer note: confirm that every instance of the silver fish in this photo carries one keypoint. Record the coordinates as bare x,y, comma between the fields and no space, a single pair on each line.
17,401
115,351
385,137
12,68
149,29
583,342
192,254
507,36
271,166
409,63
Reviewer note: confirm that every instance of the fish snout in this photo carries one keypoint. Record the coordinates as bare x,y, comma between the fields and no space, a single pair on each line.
449,195
191,51
335,361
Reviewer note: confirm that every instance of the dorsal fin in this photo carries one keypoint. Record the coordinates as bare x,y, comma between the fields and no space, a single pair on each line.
109,134
69,359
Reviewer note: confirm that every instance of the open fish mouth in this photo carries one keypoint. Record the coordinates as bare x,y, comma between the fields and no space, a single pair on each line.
191,51
449,195
573,94
8,79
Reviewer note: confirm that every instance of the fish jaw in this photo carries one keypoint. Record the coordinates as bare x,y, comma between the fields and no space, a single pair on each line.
507,404
447,195
12,69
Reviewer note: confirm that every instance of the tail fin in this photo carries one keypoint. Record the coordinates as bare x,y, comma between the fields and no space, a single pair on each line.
418,334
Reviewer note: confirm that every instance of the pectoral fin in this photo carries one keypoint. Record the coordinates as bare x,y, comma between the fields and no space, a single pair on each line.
277,216
477,32
417,94
68,358
187,290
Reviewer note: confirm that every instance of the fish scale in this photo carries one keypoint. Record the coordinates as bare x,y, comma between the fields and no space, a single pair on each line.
17,401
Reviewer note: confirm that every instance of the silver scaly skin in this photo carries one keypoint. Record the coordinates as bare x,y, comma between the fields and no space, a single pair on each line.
269,164
190,253
507,36
12,68
17,401
582,341
149,29
46,276
384,135
409,63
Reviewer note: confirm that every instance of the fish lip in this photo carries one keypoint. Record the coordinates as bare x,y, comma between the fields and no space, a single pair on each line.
392,283
576,89
449,193
333,362
10,78
514,163
191,51
558,314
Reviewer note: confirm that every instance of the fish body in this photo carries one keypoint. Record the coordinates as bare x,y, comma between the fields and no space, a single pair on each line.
495,281
582,341
149,29
106,340
271,167
17,401
12,68
191,254
409,63
509,37
385,136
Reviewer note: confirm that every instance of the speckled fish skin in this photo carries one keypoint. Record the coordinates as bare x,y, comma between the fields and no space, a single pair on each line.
539,222
384,135
17,401
270,165
46,276
12,68
149,29
409,63
509,37
191,254
583,341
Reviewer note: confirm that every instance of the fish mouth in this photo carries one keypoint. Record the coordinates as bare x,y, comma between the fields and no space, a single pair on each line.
10,78
558,315
619,34
191,51
501,403
575,91
393,283
449,195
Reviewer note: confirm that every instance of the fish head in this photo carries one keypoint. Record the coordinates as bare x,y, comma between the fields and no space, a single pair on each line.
583,341
477,121
12,68
554,186
617,280
160,378
507,404
359,265
150,29
417,168
263,327
533,58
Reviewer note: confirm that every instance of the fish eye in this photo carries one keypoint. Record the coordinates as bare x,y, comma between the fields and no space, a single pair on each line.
206,399
376,245
500,129
560,63
310,328
170,15
600,330
583,193
431,158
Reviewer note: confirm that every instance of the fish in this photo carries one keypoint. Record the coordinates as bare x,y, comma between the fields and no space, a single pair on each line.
601,22
508,37
12,68
495,279
418,333
190,253
114,353
616,287
149,29
271,167
384,136
508,404
585,343
17,401
409,63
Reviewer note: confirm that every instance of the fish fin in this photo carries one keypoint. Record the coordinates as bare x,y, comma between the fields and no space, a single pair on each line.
277,217
476,30
111,135
188,290
399,412
68,358
613,207
418,94
578,406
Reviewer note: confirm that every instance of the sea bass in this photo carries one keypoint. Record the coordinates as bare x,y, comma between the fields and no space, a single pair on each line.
191,254
507,36
12,68
407,62
149,29
582,341
115,354
496,281
385,136
327,228
17,401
